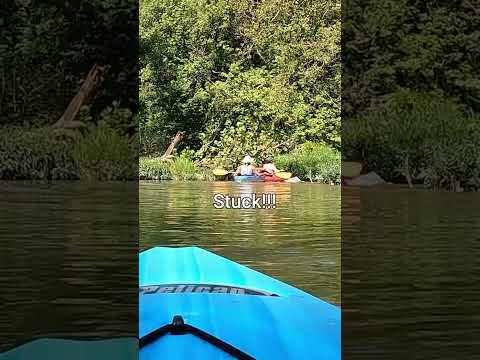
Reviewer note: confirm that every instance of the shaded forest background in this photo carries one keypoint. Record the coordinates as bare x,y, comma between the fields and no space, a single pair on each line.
411,91
46,52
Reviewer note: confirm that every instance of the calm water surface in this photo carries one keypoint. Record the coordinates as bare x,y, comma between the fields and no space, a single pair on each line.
68,261
297,242
410,274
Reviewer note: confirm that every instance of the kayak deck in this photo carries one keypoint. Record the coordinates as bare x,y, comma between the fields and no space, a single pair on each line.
294,324
292,328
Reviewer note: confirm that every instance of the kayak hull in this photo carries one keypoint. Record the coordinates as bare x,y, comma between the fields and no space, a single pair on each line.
273,178
293,323
248,178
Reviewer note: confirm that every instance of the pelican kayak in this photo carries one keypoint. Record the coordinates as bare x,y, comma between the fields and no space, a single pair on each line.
248,178
194,304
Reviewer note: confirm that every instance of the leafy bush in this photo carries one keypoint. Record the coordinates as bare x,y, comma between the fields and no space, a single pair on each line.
314,162
419,138
37,154
249,113
153,168
453,160
181,168
100,152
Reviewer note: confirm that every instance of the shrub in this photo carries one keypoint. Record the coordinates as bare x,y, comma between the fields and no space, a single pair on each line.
37,154
154,168
453,160
181,168
314,162
102,152
417,138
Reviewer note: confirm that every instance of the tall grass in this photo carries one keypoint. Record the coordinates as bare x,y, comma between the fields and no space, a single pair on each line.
153,168
183,169
103,154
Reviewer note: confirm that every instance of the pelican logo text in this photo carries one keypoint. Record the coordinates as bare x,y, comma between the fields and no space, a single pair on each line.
198,288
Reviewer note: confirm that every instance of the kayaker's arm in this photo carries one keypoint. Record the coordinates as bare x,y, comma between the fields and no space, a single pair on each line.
258,170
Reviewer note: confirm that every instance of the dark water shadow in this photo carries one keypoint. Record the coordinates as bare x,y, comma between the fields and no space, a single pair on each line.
68,265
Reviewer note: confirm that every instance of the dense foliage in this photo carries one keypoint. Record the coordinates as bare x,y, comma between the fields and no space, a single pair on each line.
411,90
47,50
103,151
36,154
182,168
420,138
427,47
239,76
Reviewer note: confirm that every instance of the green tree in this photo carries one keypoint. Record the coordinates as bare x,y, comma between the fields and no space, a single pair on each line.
238,75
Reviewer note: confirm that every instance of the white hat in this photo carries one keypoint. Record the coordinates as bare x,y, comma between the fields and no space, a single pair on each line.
247,160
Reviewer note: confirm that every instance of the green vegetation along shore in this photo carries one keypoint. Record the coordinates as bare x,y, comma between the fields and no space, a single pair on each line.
411,92
102,151
311,162
240,77
264,78
47,55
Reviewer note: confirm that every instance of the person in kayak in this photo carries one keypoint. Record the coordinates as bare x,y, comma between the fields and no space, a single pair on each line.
268,167
246,168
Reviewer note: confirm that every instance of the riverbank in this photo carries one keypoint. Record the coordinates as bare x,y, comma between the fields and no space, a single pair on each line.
99,152
313,163
180,168
418,139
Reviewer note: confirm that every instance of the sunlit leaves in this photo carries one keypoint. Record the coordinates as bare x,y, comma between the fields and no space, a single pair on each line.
240,76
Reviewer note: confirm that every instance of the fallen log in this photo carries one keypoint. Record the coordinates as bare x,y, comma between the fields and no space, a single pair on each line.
85,93
178,137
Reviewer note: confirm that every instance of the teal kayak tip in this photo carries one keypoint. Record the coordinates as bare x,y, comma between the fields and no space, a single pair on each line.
124,348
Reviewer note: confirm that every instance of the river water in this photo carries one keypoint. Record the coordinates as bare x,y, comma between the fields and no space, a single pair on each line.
410,274
297,242
410,259
68,260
